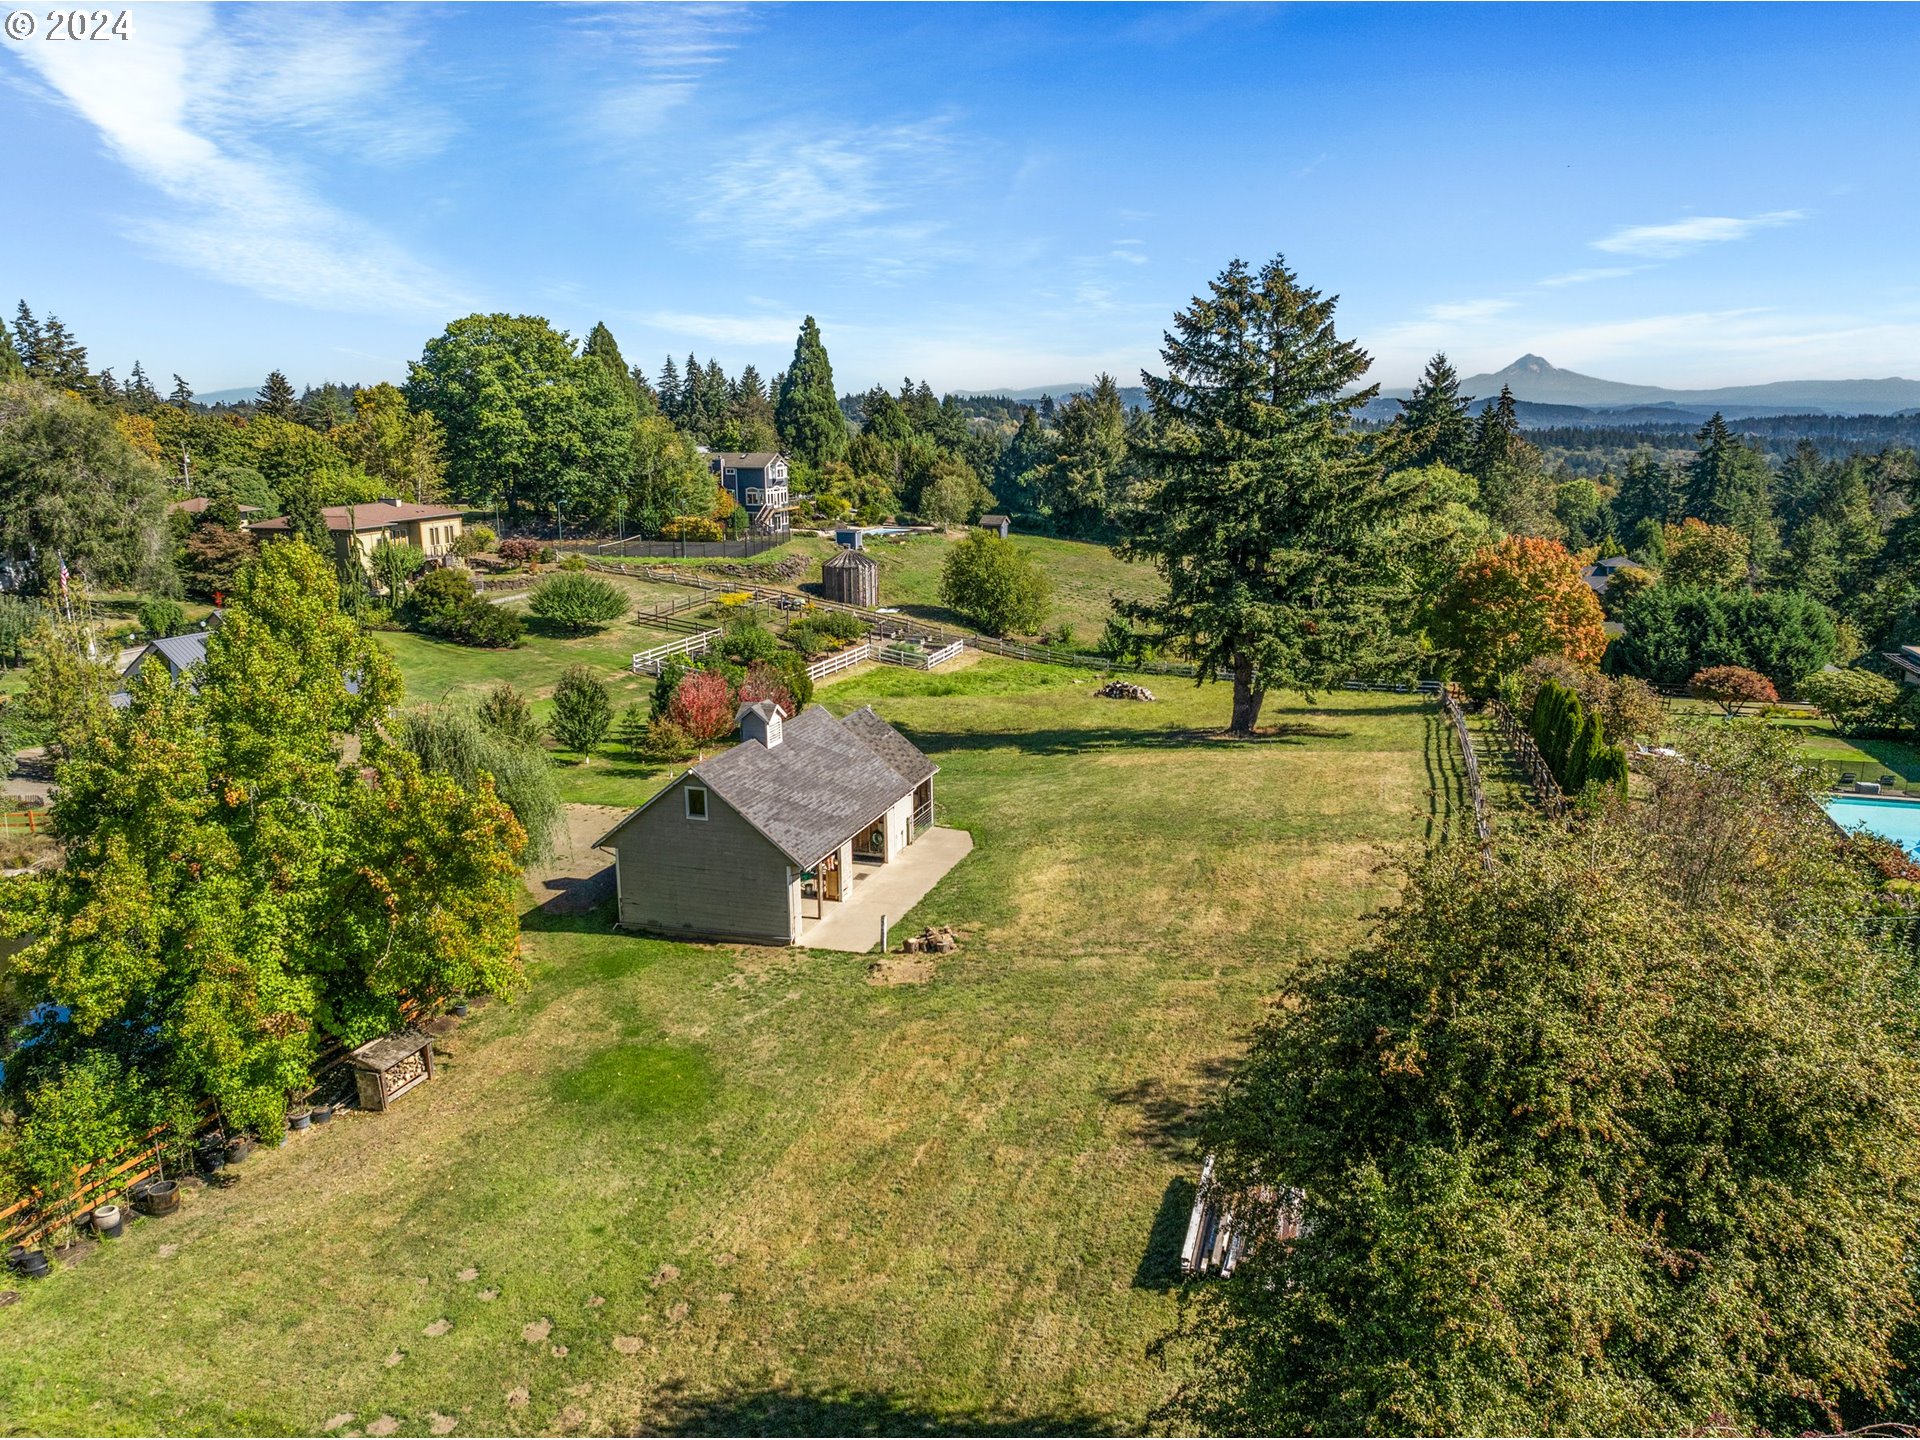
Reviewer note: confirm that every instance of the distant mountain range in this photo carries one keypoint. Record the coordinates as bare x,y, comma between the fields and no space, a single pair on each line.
1534,379
1553,396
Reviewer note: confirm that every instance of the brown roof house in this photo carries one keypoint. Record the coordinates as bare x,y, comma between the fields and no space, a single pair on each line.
433,528
810,831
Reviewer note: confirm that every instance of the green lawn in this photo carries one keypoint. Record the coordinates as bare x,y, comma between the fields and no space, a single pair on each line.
1083,576
748,1190
1886,761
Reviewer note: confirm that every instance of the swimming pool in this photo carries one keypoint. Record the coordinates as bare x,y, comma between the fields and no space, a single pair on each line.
1897,820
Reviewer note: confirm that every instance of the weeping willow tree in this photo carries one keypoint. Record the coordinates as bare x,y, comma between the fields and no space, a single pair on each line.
452,741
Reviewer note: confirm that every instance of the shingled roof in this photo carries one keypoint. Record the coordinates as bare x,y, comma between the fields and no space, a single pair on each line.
900,753
826,780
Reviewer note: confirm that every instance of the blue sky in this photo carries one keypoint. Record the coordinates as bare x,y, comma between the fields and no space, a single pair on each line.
983,195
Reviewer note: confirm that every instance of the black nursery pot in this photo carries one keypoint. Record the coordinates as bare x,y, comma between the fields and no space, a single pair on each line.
238,1149
212,1160
34,1265
321,1114
15,1255
299,1120
460,1009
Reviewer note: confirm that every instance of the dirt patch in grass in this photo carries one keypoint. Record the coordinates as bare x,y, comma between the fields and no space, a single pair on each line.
576,877
901,970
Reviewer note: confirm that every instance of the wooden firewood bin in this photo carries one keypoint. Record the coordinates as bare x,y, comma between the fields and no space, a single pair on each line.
387,1068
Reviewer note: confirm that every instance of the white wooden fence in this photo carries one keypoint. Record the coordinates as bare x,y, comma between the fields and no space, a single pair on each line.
648,662
914,658
840,660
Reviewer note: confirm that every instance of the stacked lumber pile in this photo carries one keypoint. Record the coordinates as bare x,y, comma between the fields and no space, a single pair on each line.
934,940
1124,690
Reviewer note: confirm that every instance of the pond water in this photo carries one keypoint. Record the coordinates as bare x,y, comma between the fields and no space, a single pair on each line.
1897,820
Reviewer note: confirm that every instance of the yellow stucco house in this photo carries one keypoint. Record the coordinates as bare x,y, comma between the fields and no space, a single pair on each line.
433,528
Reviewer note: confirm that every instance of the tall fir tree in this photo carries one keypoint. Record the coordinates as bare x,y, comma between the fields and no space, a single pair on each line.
1263,510
1516,492
811,424
1648,491
27,340
140,391
63,359
1434,426
182,396
276,398
669,388
1728,483
602,347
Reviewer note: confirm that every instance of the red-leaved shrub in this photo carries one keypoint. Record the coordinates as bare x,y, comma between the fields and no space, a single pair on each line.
702,705
763,682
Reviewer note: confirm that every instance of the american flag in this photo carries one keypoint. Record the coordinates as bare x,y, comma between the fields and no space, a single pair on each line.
63,577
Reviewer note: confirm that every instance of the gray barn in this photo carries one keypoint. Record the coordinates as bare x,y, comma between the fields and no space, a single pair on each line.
762,839
851,577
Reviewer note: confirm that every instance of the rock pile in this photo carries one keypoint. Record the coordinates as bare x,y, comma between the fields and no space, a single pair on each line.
934,940
1124,690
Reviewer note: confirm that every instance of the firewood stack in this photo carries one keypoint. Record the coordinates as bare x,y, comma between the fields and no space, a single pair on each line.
934,940
1124,690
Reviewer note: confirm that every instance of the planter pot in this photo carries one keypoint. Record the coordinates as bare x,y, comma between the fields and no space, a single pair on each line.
461,1009
15,1256
212,1161
322,1114
160,1197
238,1149
34,1265
299,1119
108,1221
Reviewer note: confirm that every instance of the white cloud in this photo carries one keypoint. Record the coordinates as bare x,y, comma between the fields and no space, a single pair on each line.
1587,277
761,329
1468,311
176,107
1663,242
652,59
866,195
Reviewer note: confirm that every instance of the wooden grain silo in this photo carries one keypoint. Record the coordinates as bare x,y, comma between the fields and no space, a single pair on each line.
852,577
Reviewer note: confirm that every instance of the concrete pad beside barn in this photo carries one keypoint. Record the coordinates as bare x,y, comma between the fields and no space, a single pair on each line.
889,890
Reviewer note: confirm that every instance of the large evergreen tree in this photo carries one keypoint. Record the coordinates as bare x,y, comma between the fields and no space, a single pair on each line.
1434,425
27,340
1081,488
1728,483
808,413
1648,491
1263,510
182,396
1516,492
276,397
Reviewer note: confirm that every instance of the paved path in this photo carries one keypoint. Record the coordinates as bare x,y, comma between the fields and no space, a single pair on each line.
890,890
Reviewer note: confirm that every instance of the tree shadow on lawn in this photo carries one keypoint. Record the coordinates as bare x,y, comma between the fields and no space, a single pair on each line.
1073,741
1168,1120
543,920
788,1410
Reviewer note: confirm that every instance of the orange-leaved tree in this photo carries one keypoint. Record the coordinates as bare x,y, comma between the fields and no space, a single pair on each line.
1512,602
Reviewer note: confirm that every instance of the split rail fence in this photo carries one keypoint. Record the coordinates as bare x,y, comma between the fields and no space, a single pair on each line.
1482,825
1546,789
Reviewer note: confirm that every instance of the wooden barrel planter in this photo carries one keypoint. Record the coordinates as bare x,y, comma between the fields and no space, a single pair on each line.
388,1068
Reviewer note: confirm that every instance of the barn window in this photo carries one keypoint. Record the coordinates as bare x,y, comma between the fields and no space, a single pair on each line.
696,803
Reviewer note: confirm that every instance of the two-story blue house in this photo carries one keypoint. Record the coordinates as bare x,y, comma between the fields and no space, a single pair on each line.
758,483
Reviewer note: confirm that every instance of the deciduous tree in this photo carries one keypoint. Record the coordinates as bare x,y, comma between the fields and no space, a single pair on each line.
1512,602
995,584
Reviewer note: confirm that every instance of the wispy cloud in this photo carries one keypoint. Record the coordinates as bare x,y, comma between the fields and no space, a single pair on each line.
179,110
765,328
1663,242
1468,311
1587,277
652,59
866,195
